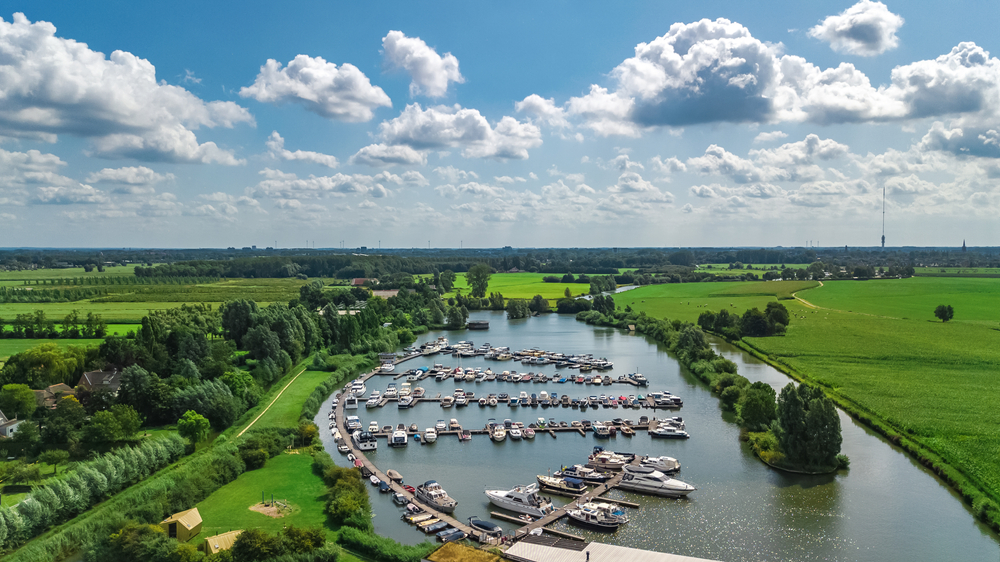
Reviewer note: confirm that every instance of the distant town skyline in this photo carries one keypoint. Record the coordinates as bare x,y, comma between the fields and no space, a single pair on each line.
530,125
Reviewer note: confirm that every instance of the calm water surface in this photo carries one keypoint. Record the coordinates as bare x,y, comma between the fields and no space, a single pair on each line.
885,508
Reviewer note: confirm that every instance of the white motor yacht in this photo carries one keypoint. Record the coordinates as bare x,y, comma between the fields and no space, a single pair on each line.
390,392
398,438
432,494
669,432
365,440
601,430
388,367
447,401
606,460
515,434
666,465
441,425
430,435
351,402
521,499
499,433
648,480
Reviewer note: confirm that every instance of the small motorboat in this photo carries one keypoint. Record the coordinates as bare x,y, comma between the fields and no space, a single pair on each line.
529,433
485,527
374,480
399,499
394,476
343,448
515,434
409,488
465,435
384,487
351,457
358,463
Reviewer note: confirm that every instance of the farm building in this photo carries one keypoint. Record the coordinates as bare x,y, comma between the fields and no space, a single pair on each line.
221,542
97,381
8,426
184,525
48,397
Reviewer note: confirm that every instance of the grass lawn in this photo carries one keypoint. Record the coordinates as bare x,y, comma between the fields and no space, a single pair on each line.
877,346
288,477
63,273
686,301
285,411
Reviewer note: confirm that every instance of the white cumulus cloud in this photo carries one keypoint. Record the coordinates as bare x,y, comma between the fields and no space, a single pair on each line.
379,155
52,86
343,93
866,28
276,148
429,72
458,127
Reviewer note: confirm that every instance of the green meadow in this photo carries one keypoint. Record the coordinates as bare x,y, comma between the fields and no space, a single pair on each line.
287,476
686,301
877,347
524,286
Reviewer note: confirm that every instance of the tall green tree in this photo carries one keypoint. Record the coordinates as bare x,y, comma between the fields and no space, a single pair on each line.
17,401
823,430
128,419
758,408
55,457
447,280
478,278
792,423
944,312
193,427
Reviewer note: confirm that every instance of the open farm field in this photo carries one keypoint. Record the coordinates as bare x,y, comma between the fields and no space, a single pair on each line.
112,313
686,301
957,271
10,346
288,477
974,300
878,348
61,273
524,286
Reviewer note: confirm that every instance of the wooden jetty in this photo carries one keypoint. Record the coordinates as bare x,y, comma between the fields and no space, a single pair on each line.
396,487
512,519
585,497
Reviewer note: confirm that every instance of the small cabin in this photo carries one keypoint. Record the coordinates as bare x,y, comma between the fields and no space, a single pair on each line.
221,542
184,525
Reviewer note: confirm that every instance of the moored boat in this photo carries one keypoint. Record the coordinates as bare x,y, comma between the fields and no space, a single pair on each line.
521,499
432,494
648,480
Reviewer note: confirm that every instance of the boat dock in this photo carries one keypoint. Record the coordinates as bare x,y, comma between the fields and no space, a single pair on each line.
396,487
550,549
585,497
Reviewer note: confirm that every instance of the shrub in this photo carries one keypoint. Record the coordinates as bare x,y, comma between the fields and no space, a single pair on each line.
383,549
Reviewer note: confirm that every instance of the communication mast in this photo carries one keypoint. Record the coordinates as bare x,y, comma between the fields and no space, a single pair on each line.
883,217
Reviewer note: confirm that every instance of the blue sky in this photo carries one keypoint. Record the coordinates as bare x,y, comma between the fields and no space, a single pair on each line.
525,124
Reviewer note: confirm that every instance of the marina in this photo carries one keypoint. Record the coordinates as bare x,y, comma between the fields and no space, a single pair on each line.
761,512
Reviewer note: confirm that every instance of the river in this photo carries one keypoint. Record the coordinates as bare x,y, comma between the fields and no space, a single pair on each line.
886,507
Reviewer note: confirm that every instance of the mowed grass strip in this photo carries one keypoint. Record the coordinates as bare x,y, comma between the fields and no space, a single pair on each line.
286,410
287,476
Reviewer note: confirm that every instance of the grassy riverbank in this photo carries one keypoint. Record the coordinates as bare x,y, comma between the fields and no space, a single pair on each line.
877,350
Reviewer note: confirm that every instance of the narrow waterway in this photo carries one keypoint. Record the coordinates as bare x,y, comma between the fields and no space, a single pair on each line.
885,508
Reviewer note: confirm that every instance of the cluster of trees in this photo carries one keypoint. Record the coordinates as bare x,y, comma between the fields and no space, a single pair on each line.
772,321
800,432
90,483
48,364
518,308
31,295
604,304
37,325
70,426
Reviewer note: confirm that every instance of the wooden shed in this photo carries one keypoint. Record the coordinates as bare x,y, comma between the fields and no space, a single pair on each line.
184,525
221,542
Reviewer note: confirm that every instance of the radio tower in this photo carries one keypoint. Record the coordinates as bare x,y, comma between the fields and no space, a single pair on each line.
883,217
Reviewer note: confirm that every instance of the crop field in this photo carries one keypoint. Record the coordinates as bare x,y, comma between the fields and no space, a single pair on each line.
287,476
877,345
524,286
686,301
33,274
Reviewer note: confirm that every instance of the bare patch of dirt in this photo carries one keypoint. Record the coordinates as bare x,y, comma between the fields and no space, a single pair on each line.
271,510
